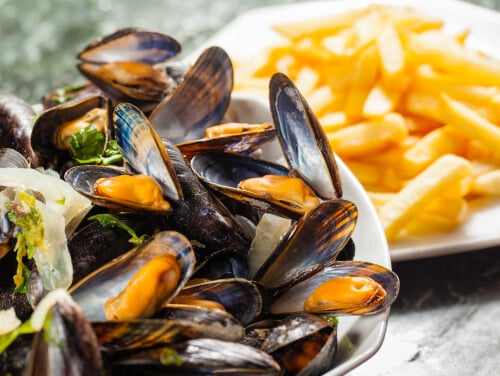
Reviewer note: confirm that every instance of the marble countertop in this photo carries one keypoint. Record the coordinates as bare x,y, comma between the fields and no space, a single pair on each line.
446,318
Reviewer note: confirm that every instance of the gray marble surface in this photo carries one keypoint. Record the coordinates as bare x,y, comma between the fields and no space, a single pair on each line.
446,320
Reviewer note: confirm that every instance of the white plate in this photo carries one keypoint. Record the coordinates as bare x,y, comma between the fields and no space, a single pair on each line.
359,337
250,34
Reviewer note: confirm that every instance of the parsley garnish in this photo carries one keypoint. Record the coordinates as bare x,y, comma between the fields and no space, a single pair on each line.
87,147
109,220
170,357
23,213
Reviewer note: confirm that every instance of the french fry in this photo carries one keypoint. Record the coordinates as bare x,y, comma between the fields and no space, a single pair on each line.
415,196
433,145
369,136
487,183
392,57
470,122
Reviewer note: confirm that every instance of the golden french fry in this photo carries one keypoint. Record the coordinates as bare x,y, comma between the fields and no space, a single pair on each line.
369,136
414,197
380,101
433,145
324,25
470,122
333,121
392,58
447,55
487,183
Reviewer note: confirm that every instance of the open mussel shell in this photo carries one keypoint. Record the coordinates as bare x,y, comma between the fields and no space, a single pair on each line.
93,245
241,143
302,138
293,299
202,356
93,291
244,299
295,336
200,100
67,345
224,171
143,150
84,178
12,158
45,129
131,44
114,336
16,123
314,240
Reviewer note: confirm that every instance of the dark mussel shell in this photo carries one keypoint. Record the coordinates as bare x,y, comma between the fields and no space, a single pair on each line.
143,150
114,336
241,143
314,240
224,171
201,216
302,138
16,124
95,289
293,299
287,340
244,299
131,44
200,100
83,179
46,126
67,345
93,245
202,356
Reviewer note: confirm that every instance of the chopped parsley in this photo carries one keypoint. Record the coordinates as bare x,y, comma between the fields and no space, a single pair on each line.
170,357
23,213
109,220
87,147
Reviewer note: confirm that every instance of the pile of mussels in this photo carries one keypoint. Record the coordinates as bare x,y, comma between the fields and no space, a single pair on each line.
150,146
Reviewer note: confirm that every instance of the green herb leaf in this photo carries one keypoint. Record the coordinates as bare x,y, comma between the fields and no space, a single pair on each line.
330,317
109,220
170,357
23,213
87,144
7,338
112,154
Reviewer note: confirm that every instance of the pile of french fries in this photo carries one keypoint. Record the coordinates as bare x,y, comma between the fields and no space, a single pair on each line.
411,109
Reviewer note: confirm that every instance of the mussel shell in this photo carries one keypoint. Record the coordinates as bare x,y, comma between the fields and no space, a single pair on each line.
46,125
224,171
94,290
67,346
12,158
201,216
16,124
244,299
230,264
302,138
134,82
93,245
202,356
293,299
200,100
131,44
143,150
116,336
83,179
243,143
314,240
